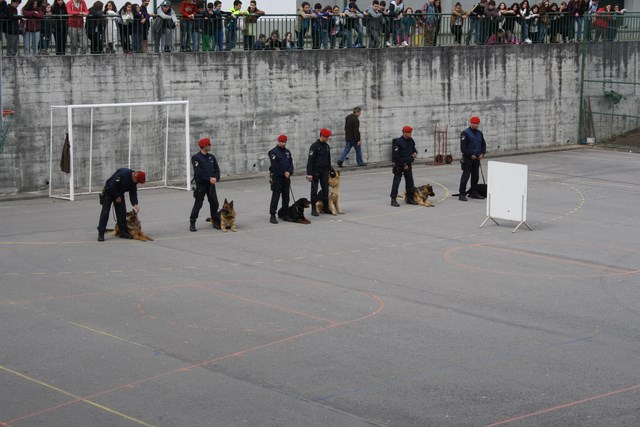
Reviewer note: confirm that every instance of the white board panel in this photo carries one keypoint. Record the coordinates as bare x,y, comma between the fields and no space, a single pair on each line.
507,191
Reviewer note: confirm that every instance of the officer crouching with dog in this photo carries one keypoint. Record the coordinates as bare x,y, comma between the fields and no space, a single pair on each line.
402,155
122,181
206,175
473,148
280,173
318,168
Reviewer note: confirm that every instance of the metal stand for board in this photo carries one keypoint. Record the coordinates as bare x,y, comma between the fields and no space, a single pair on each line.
496,222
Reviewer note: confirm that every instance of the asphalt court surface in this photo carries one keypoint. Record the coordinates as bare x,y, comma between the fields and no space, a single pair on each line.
385,316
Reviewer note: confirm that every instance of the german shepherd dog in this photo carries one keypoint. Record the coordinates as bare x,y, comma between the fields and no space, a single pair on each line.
227,217
134,226
421,194
334,194
295,212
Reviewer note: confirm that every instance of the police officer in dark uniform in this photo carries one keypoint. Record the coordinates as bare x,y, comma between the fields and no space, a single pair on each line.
318,167
281,170
206,175
113,193
473,148
402,155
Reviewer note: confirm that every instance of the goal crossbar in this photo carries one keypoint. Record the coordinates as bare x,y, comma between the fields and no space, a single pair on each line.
69,109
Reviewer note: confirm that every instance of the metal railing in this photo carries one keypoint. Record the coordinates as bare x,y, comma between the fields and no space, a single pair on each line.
108,35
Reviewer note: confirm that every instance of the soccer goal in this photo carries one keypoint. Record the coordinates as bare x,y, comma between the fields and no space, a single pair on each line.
91,141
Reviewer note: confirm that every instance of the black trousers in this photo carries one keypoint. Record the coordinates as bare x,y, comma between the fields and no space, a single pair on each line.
280,186
203,190
408,182
470,168
121,213
322,178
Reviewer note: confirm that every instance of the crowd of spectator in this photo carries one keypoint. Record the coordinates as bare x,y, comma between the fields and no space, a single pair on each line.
73,27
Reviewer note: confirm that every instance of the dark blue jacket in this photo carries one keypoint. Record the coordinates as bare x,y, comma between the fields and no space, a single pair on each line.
472,142
281,161
121,182
205,167
402,151
319,158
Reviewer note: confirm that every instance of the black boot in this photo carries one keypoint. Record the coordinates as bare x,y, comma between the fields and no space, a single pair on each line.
314,212
192,226
325,208
124,234
462,197
100,236
273,219
394,202
410,201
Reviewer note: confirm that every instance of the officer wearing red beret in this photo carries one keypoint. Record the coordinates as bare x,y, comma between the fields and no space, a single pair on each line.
473,148
281,170
122,181
206,175
318,168
403,153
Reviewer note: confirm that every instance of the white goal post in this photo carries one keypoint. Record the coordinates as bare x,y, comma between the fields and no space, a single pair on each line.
103,138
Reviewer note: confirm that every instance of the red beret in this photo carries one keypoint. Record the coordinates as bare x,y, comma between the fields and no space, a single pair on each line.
325,132
407,129
282,138
141,177
204,142
475,120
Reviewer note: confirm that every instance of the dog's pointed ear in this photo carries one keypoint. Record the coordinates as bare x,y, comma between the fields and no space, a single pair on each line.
231,204
225,201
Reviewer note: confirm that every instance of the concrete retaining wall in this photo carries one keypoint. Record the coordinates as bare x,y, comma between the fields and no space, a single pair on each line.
527,97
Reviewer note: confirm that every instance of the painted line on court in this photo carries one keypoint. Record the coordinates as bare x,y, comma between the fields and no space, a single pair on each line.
77,399
564,406
131,385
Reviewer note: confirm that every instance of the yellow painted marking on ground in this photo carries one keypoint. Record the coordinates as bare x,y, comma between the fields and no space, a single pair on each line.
73,396
97,331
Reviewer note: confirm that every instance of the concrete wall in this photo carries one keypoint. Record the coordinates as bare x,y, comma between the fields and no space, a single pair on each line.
527,97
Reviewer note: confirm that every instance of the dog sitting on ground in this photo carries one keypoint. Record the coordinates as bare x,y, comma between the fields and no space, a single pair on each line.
227,217
334,194
295,212
134,226
421,194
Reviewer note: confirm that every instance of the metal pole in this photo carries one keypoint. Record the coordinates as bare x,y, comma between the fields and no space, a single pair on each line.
186,137
70,129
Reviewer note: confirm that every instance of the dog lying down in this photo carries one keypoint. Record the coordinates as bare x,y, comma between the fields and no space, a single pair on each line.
295,212
134,226
421,195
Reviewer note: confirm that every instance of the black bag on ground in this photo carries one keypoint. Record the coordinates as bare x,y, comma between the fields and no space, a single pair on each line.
482,188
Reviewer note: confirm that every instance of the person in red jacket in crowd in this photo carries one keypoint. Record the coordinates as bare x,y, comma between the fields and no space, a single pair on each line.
188,10
77,9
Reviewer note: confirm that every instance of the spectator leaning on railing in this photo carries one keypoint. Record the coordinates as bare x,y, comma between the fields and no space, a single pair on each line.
96,27
77,9
303,22
111,36
458,16
374,17
162,27
32,15
251,24
233,24
60,25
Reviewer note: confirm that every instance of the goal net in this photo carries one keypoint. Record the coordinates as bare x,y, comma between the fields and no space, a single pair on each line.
148,136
